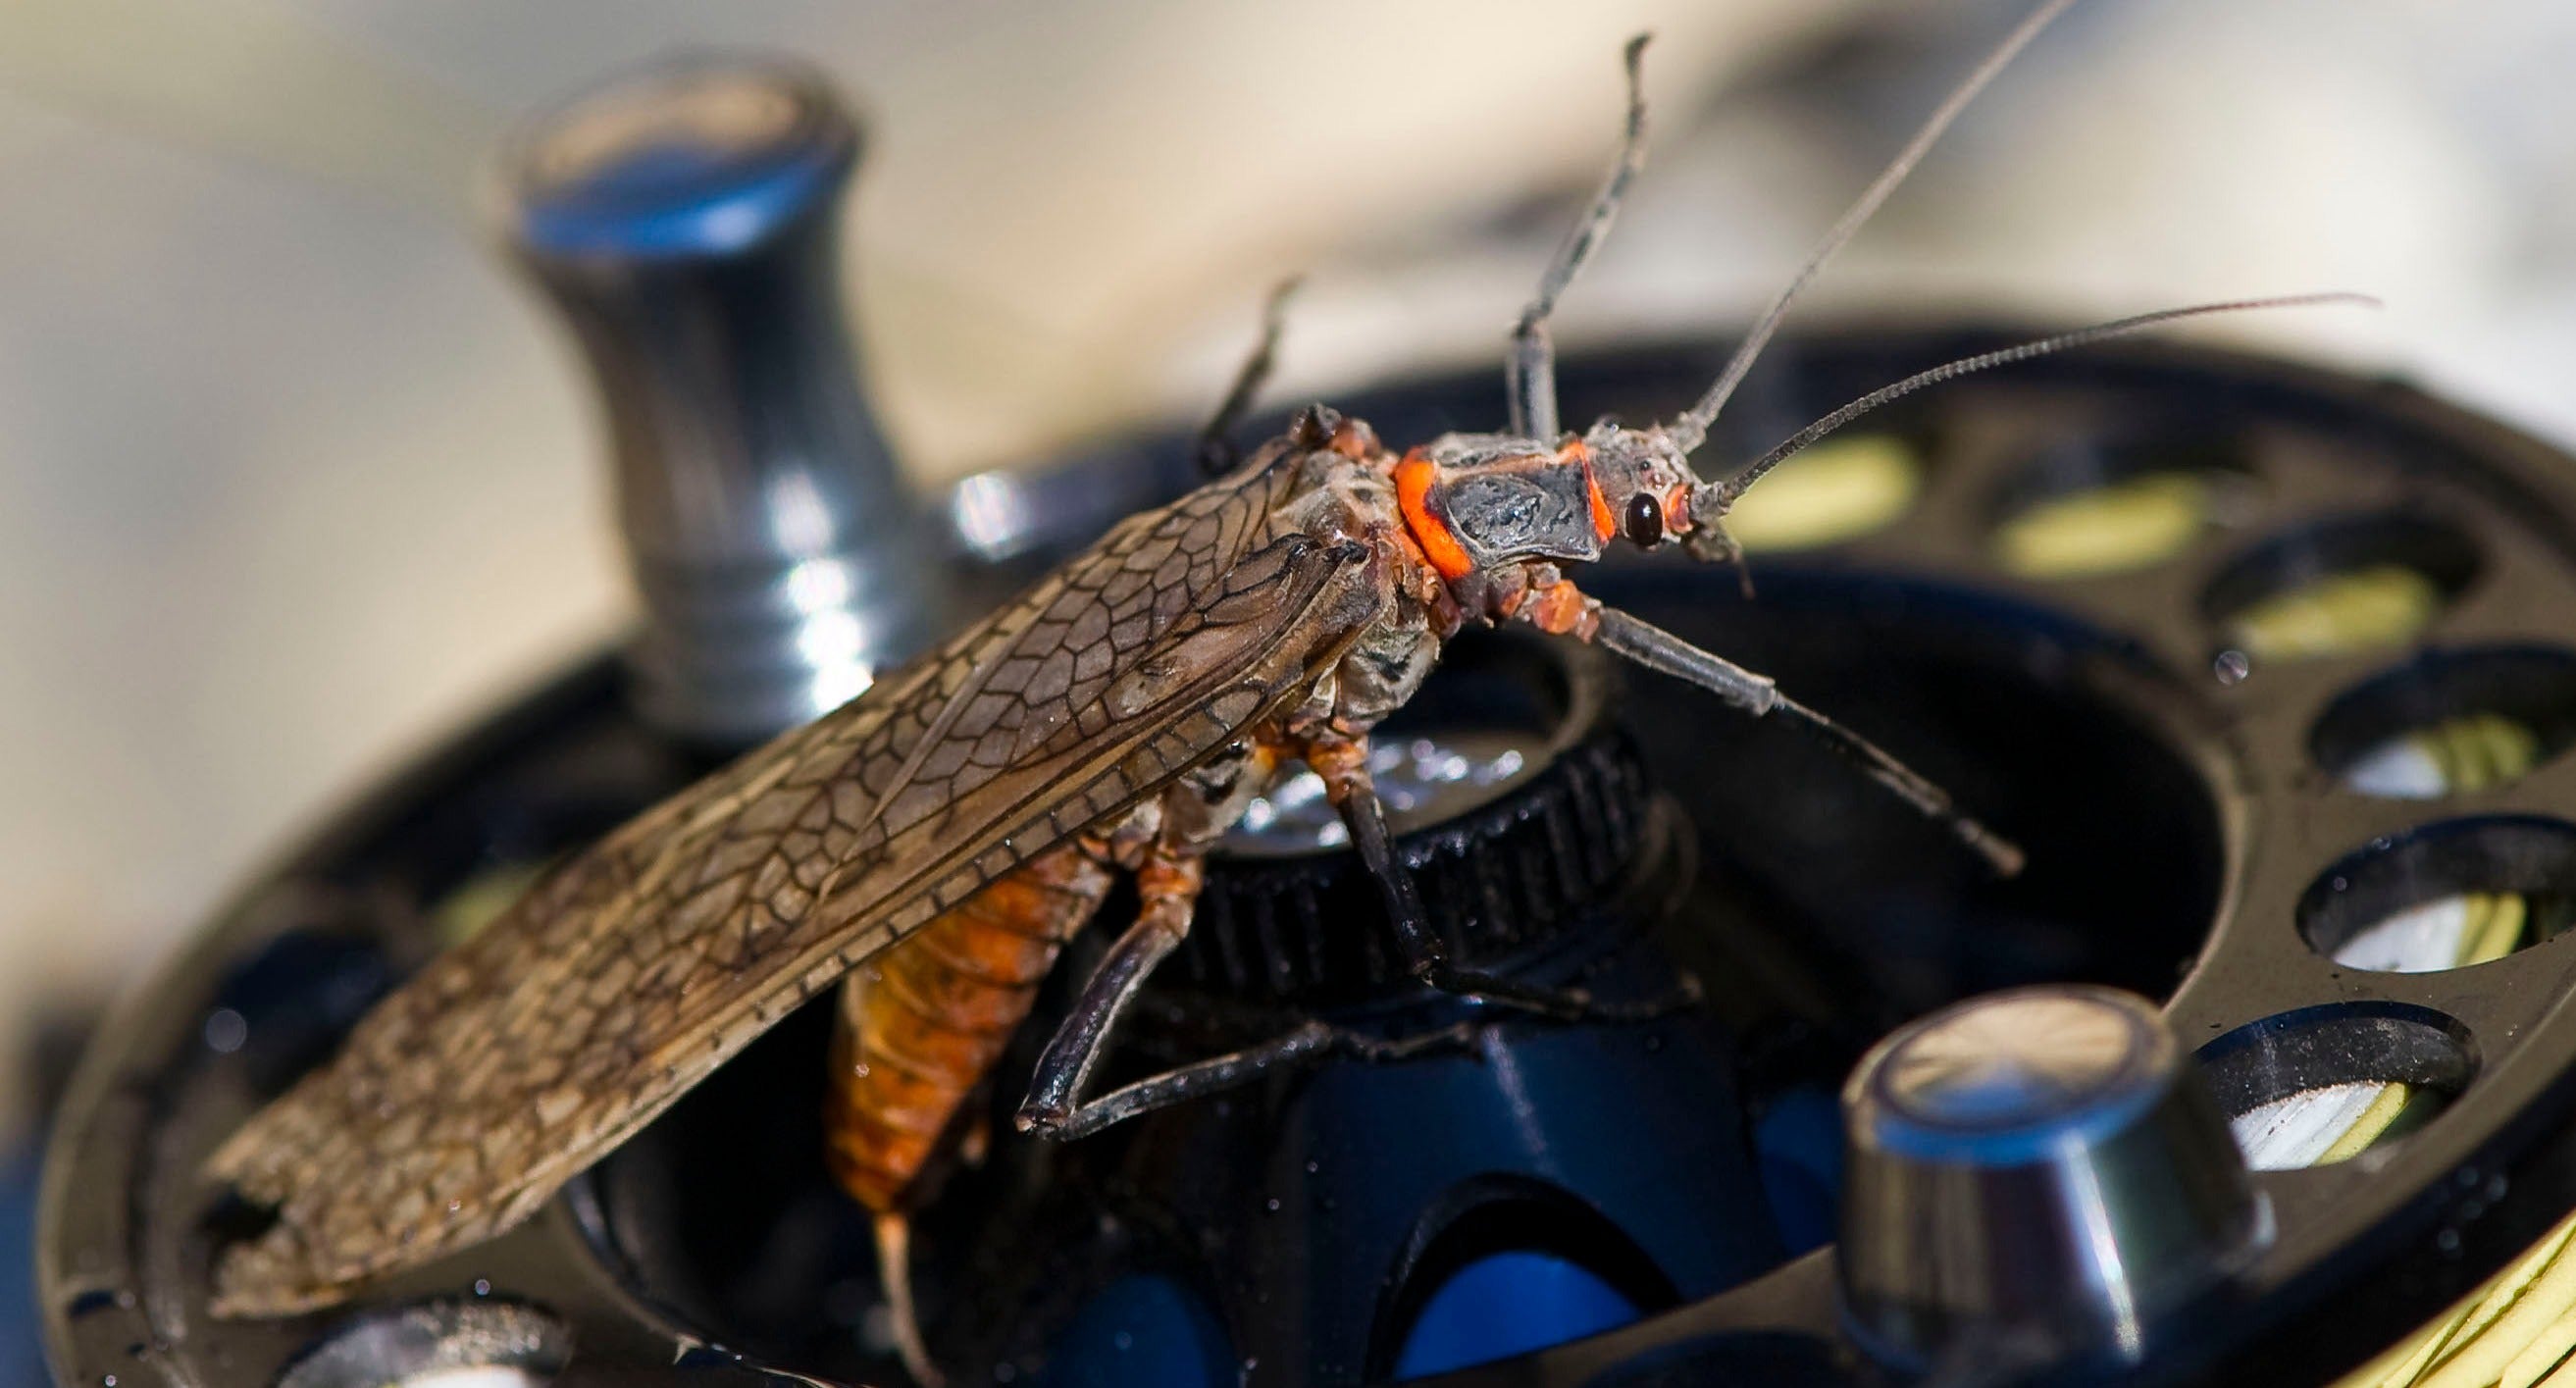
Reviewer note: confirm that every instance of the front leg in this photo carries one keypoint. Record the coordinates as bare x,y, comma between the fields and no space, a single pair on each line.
1553,604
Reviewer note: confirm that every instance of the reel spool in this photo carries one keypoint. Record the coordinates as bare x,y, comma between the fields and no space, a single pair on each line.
2198,803
2265,667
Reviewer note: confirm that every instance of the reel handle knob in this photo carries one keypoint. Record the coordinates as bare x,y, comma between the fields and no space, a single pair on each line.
2035,1174
683,219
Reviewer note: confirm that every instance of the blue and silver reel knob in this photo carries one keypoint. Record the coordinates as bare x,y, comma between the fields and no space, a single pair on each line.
2034,1172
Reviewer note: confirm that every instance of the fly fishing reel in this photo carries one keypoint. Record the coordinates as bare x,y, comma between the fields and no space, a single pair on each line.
2261,1060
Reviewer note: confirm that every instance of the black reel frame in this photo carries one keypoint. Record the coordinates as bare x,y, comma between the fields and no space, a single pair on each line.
2216,776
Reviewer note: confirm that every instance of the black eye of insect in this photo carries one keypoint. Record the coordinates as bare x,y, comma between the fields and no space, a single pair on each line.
1645,520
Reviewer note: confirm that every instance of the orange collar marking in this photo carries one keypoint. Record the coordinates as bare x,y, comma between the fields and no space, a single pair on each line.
1413,479
1604,524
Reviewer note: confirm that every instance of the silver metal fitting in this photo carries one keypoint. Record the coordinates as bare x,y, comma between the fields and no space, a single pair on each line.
683,220
2035,1174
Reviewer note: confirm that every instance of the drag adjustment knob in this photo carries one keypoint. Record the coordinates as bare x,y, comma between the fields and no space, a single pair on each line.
2034,1172
1524,816
683,219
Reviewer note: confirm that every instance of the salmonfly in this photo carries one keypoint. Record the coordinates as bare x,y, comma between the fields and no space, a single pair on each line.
932,845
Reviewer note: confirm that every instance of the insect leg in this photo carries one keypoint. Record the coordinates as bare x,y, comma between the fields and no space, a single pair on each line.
1309,1044
1342,762
1169,884
1660,650
1216,451
1530,371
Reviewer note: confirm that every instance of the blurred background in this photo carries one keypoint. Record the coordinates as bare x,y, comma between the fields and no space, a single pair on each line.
294,475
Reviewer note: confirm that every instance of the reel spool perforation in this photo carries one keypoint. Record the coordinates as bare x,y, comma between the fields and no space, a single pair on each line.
2257,965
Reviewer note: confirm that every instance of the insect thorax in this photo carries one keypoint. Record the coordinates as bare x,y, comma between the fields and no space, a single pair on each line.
1508,500
1347,493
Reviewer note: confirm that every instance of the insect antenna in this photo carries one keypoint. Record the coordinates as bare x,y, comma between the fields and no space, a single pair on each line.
1657,649
1725,494
1689,430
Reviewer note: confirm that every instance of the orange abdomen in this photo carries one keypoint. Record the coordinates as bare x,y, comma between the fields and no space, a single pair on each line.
922,1023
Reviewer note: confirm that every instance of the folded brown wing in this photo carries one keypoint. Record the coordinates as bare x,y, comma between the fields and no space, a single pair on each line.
470,1095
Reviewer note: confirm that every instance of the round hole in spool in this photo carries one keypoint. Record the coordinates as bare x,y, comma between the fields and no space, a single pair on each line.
2322,1084
437,1344
1838,490
2339,586
2450,722
2106,503
2445,896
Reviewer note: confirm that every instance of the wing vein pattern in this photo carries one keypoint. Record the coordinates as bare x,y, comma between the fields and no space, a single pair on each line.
506,1065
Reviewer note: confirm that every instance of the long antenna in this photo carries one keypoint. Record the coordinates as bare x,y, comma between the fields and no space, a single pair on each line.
1691,429
1733,487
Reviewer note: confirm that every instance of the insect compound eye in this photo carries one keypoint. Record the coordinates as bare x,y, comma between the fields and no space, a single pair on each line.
1645,520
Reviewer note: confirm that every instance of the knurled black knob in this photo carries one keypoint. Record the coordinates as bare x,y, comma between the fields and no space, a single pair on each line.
1521,810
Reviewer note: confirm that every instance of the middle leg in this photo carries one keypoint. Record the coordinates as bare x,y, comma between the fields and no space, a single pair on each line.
1056,1107
1168,882
1342,761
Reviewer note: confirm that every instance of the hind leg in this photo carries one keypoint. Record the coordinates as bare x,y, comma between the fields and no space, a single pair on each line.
1310,1044
1168,886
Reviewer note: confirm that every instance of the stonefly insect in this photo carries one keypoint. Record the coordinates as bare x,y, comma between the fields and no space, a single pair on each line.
936,841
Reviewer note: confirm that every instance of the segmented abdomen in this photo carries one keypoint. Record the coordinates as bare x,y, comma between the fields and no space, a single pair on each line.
922,1023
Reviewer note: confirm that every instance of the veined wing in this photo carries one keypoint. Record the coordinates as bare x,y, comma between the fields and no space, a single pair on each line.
464,1100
